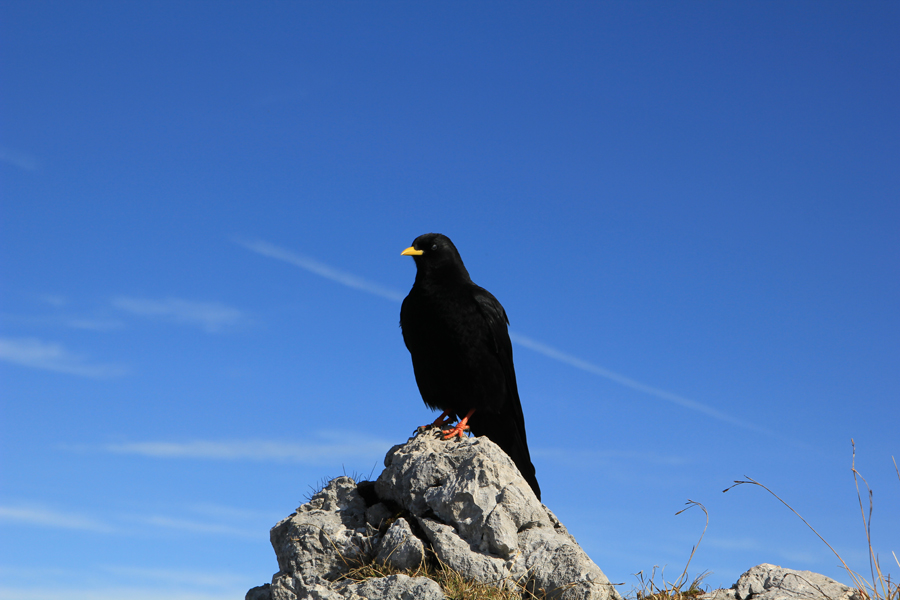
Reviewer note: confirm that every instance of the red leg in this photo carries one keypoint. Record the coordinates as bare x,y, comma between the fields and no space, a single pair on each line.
460,428
439,422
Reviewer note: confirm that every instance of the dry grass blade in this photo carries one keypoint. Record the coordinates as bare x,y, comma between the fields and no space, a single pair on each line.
894,554
690,504
867,524
750,480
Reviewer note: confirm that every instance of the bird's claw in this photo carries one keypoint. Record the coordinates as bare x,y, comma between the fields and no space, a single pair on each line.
422,429
449,434
439,422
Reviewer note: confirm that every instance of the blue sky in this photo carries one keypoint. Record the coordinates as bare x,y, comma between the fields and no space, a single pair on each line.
689,211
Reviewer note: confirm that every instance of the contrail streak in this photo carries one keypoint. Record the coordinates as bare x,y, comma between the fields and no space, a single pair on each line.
627,381
321,269
350,280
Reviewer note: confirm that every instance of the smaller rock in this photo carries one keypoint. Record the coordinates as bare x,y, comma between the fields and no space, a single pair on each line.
771,582
322,538
400,548
501,534
456,553
261,592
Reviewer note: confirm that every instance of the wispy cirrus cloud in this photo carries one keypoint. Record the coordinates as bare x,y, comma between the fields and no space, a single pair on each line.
45,517
194,526
212,317
22,160
54,300
353,281
115,582
123,524
69,592
178,576
233,514
67,321
52,356
63,316
344,445
90,324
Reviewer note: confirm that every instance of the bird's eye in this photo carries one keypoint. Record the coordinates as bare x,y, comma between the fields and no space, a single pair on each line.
434,247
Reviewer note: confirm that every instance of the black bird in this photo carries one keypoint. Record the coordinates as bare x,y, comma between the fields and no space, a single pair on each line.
456,333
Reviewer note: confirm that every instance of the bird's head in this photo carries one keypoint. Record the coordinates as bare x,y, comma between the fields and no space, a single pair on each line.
434,253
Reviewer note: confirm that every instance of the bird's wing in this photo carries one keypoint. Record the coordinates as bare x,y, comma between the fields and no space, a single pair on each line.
513,439
497,320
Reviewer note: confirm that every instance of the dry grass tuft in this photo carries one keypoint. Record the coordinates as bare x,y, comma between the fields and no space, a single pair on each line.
651,589
453,584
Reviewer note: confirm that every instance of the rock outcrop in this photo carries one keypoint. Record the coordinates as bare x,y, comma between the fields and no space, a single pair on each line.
462,503
769,582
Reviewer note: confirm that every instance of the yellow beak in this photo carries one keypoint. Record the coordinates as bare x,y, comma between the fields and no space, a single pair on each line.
411,252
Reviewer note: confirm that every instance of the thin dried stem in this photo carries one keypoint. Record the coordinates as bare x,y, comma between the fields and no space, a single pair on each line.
750,480
690,504
867,524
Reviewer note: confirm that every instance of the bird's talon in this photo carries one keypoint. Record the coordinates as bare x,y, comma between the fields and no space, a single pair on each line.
457,431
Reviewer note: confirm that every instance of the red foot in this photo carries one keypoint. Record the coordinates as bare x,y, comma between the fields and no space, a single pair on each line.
459,429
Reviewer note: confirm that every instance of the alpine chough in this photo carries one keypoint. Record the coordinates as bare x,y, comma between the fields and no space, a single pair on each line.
456,333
